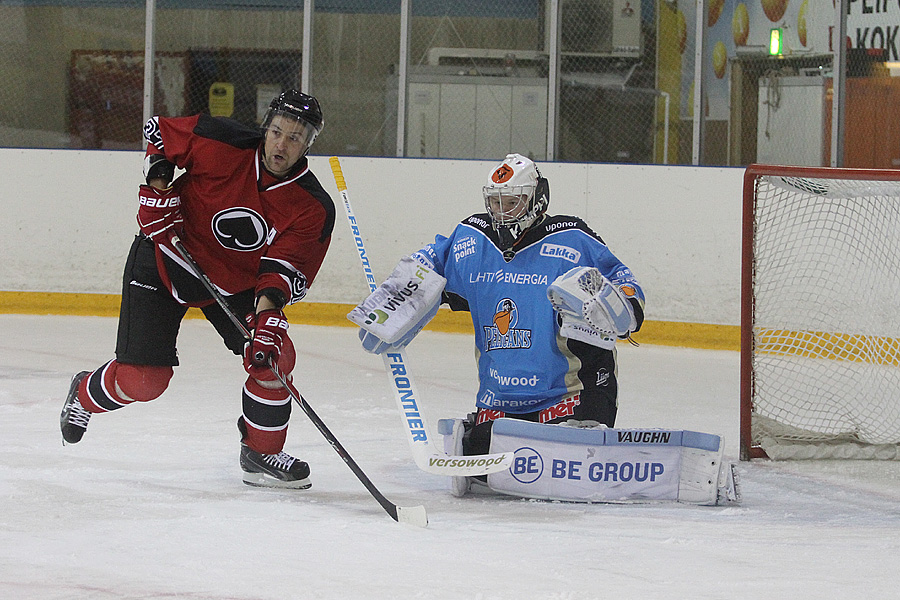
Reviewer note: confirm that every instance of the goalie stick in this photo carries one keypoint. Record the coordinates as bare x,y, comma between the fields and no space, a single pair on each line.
414,515
416,428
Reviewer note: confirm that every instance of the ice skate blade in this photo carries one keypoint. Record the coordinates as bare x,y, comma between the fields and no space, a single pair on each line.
266,481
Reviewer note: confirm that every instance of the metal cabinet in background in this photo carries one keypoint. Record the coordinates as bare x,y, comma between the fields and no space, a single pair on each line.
476,117
791,121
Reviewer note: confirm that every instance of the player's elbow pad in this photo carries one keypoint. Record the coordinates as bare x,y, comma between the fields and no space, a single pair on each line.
157,166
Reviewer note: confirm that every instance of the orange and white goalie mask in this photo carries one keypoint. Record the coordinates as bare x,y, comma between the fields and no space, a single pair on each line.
516,197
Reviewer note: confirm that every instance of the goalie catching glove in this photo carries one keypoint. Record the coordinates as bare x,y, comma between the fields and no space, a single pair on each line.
397,311
593,310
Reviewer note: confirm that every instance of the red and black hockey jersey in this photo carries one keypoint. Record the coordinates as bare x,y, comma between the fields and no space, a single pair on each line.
245,228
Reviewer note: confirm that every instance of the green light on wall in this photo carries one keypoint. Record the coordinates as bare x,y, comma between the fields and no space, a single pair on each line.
775,42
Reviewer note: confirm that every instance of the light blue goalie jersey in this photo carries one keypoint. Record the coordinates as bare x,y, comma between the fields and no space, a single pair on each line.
523,363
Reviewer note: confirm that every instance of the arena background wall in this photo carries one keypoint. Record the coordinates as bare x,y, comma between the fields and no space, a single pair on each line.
69,218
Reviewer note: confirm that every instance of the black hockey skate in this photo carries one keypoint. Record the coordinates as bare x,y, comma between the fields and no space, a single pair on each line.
73,420
272,470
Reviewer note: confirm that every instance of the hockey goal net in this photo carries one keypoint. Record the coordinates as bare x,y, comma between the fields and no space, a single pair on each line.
820,315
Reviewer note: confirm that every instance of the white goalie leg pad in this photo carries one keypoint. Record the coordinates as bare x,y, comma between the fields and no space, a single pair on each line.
410,294
729,491
453,430
554,462
700,469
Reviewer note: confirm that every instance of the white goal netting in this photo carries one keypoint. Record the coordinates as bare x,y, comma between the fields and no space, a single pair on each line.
825,316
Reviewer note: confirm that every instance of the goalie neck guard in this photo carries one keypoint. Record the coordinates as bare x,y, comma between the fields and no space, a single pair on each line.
516,196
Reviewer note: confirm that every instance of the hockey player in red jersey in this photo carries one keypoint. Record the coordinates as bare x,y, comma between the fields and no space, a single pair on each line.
257,221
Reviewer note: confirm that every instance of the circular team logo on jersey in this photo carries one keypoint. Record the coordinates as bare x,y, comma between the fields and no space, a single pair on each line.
506,316
240,229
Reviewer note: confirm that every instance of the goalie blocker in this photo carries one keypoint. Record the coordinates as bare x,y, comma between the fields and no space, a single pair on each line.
396,311
558,462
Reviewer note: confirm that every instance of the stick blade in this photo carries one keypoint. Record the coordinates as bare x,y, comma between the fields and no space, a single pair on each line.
414,515
464,466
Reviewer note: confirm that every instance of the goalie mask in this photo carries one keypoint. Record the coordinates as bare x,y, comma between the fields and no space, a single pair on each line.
301,111
516,196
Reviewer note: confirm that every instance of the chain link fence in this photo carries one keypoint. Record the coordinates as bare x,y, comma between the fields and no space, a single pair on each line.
355,52
56,60
619,81
477,81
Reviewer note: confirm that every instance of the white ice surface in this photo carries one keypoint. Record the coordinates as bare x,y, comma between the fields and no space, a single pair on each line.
151,504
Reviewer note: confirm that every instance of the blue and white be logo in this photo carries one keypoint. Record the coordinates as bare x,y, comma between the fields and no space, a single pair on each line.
527,465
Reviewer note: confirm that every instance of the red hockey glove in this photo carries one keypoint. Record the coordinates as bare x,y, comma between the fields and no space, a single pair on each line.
269,331
159,214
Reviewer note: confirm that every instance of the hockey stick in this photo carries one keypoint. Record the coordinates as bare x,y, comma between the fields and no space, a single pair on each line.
426,456
415,515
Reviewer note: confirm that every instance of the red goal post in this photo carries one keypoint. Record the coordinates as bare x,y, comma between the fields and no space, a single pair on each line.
820,313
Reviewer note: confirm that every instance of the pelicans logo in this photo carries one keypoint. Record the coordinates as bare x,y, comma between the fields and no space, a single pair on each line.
503,332
507,316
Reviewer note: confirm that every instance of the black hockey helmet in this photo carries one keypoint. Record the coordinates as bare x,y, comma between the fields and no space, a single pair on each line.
301,107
